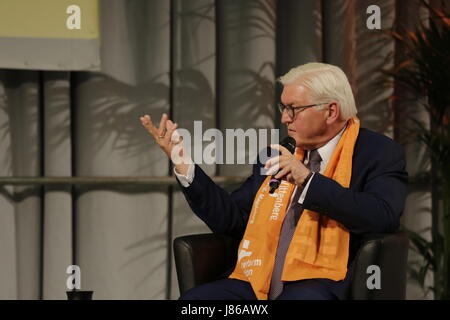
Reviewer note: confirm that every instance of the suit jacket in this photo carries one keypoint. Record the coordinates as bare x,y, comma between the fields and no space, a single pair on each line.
373,203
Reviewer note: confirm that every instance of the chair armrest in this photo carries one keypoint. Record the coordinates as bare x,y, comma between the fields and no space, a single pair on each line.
203,258
390,253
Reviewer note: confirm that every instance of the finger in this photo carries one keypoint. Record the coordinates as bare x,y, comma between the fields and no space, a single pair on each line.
162,124
280,161
284,162
280,148
171,127
146,121
283,172
272,170
176,138
271,162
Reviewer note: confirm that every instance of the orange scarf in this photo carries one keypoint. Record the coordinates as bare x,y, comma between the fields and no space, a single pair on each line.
320,245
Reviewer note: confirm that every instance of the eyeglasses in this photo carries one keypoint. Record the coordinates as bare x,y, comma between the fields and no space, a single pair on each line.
291,109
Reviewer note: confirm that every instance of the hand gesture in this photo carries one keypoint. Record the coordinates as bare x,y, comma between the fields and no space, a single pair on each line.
163,134
291,169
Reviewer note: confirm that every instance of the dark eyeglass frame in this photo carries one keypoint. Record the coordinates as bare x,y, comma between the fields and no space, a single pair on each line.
291,109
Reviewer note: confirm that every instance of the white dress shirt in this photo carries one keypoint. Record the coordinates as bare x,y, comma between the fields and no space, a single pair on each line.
325,153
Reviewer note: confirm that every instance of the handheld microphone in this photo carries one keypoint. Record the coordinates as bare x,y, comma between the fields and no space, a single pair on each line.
289,143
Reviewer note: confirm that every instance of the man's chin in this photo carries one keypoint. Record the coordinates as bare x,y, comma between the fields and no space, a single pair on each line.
300,143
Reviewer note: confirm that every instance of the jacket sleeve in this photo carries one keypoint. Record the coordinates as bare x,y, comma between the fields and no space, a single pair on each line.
224,213
376,207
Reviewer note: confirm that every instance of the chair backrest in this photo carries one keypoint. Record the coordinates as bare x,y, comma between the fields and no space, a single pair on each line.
202,258
384,256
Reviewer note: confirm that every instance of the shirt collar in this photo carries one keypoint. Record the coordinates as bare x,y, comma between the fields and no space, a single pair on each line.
326,151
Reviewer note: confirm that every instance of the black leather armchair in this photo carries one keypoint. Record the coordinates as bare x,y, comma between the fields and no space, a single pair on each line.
205,257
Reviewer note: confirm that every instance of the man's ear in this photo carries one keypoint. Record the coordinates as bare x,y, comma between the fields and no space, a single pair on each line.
333,112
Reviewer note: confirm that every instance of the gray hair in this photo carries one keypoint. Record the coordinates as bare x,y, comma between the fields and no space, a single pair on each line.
324,82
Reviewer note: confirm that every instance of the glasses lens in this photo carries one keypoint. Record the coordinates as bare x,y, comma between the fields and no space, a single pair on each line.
290,111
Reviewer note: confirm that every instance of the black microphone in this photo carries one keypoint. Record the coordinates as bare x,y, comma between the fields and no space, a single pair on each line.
289,143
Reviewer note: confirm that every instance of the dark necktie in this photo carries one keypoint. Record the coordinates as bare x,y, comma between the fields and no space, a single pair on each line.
287,230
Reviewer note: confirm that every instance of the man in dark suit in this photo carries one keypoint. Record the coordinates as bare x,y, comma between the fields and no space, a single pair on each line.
316,105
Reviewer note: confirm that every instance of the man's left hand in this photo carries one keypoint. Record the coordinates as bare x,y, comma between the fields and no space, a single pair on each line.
292,170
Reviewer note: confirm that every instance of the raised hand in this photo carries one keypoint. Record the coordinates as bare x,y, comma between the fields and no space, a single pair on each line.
163,134
167,140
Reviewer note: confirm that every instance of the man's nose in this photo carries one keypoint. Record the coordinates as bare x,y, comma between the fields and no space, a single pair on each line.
285,118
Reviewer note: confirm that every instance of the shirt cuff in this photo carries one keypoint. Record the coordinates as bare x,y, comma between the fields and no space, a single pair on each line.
305,190
186,180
